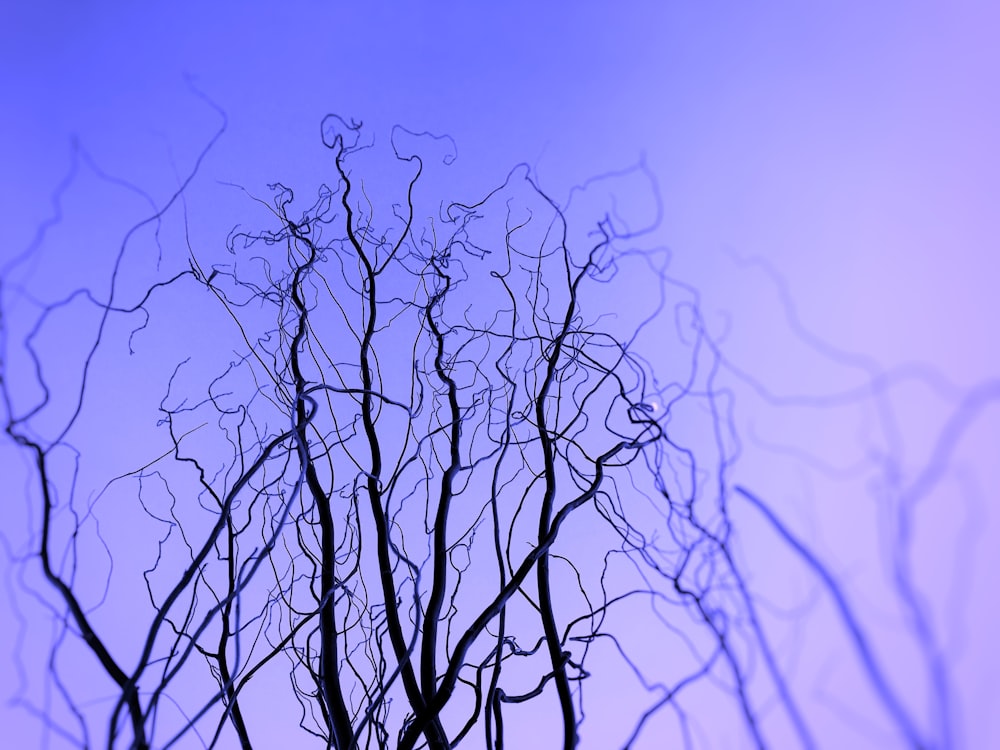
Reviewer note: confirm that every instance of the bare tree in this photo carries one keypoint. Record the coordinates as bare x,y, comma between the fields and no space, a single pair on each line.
434,486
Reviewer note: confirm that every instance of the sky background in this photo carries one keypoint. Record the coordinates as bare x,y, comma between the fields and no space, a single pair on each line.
829,174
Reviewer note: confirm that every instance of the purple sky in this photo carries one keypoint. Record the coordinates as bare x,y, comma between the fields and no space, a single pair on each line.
829,175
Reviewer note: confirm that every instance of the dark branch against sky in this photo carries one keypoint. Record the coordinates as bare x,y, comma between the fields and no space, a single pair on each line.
814,192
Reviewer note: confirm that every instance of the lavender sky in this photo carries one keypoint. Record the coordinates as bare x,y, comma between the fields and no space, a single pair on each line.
829,175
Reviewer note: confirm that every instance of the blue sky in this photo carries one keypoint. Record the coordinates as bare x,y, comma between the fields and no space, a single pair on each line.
828,175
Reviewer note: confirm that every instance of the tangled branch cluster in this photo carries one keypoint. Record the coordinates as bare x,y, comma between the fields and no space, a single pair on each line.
435,488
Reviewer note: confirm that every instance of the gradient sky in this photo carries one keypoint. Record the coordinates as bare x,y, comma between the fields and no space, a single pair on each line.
829,174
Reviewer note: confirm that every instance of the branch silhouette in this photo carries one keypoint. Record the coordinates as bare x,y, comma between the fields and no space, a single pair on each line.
437,483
